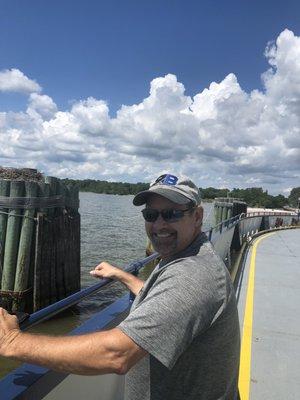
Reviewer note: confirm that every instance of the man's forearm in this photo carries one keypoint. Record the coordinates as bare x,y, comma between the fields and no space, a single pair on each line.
92,354
133,283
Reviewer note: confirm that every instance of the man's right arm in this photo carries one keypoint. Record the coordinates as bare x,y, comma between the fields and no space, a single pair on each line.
106,270
110,351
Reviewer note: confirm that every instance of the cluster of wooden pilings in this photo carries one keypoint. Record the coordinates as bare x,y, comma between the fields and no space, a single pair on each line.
39,240
228,207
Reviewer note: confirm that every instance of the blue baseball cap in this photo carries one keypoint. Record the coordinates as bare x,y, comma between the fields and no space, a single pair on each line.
179,189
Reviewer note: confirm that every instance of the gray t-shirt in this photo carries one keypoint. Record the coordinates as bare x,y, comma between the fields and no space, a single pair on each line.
186,318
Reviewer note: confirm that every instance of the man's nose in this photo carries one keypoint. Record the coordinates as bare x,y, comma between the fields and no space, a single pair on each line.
159,222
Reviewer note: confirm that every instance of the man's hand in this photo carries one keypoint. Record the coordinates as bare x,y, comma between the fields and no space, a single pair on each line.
9,330
105,270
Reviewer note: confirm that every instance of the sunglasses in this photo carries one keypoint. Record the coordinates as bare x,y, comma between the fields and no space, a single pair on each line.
169,215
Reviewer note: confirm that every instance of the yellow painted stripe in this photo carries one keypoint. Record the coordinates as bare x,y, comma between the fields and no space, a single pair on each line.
245,359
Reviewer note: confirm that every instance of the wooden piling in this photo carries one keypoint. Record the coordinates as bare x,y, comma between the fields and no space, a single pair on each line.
74,271
43,191
219,214
12,241
227,207
52,181
41,288
42,277
216,212
39,240
61,271
224,212
4,191
24,252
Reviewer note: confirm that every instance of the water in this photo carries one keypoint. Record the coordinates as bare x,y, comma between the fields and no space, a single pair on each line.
112,230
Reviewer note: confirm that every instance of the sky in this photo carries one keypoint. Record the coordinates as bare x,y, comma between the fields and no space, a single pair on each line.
128,90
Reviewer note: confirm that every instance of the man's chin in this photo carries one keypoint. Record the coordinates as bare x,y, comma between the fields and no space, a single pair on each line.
164,251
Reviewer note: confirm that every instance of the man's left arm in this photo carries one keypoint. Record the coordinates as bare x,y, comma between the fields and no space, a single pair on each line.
96,353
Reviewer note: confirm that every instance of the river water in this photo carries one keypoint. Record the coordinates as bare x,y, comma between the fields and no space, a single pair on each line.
112,230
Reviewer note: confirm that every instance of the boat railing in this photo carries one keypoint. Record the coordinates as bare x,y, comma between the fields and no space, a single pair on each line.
55,308
234,220
30,381
270,213
220,226
213,235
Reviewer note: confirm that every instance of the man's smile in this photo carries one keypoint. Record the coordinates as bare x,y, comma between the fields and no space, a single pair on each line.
163,235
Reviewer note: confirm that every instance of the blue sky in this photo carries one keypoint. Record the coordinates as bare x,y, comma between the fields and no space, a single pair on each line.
111,52
113,49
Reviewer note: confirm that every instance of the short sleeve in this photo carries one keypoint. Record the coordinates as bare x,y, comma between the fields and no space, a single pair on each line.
175,310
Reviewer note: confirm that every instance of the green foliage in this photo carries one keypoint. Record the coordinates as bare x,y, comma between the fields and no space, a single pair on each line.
90,185
294,197
212,193
279,201
254,197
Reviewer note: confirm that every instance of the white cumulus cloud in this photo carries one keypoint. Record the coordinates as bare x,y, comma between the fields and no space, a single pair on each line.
13,80
41,106
221,136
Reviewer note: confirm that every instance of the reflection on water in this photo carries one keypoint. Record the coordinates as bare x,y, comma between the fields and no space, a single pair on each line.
112,229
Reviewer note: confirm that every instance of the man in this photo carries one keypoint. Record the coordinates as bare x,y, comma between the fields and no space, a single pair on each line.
181,338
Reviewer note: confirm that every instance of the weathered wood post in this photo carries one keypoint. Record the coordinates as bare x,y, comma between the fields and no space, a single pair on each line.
11,243
41,286
227,207
24,252
39,240
4,192
53,182
224,211
216,213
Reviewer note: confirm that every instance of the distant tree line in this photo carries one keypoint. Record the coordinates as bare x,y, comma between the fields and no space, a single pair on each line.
254,197
90,185
294,197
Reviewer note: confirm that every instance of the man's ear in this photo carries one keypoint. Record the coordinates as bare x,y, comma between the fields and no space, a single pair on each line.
199,216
